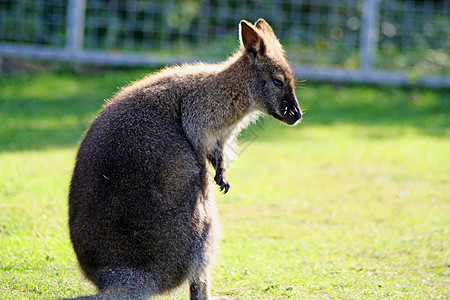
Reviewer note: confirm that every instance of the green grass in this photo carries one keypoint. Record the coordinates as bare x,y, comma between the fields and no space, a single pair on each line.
351,204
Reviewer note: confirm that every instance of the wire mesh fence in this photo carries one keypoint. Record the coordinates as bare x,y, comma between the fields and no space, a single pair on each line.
397,41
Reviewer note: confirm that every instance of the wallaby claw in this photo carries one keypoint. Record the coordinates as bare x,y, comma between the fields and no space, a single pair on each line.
224,186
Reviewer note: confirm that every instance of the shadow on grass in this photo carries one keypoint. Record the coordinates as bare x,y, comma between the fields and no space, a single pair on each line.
47,110
33,124
55,117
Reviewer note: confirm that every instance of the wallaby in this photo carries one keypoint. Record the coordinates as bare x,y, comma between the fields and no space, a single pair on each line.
142,217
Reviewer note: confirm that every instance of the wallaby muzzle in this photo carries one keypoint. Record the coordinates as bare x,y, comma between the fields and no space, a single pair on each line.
291,112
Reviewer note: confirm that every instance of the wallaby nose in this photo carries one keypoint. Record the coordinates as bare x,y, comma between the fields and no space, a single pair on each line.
297,110
292,112
298,113
294,115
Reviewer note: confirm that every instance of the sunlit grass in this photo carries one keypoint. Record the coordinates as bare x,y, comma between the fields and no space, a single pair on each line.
351,204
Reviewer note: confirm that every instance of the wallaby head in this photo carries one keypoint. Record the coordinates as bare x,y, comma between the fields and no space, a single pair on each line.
272,84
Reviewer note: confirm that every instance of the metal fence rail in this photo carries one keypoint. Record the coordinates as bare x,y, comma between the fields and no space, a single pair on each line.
374,41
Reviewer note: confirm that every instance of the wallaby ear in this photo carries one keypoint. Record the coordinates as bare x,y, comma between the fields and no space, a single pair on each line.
264,26
251,39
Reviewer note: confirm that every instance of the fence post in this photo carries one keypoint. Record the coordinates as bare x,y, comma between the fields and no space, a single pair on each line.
369,35
75,26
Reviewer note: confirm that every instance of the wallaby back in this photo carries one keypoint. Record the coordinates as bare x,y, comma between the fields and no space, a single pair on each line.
142,217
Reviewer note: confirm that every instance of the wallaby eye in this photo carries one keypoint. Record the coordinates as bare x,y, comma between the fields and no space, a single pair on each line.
278,83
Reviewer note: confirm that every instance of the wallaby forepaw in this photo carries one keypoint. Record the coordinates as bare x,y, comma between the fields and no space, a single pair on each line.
224,185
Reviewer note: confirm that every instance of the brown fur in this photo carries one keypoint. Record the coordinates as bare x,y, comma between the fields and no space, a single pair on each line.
141,212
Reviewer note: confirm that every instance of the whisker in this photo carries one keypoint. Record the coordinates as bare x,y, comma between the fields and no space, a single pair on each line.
301,82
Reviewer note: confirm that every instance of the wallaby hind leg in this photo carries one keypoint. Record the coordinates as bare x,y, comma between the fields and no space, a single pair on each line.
199,285
199,288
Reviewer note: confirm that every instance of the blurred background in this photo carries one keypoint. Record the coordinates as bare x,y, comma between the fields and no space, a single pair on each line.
373,41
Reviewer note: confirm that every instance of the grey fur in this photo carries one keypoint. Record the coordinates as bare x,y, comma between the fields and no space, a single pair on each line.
142,217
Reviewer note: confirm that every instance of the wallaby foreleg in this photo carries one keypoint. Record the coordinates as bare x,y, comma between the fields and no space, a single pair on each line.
216,159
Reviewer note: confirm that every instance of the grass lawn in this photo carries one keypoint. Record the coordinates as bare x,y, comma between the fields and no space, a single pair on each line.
351,204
